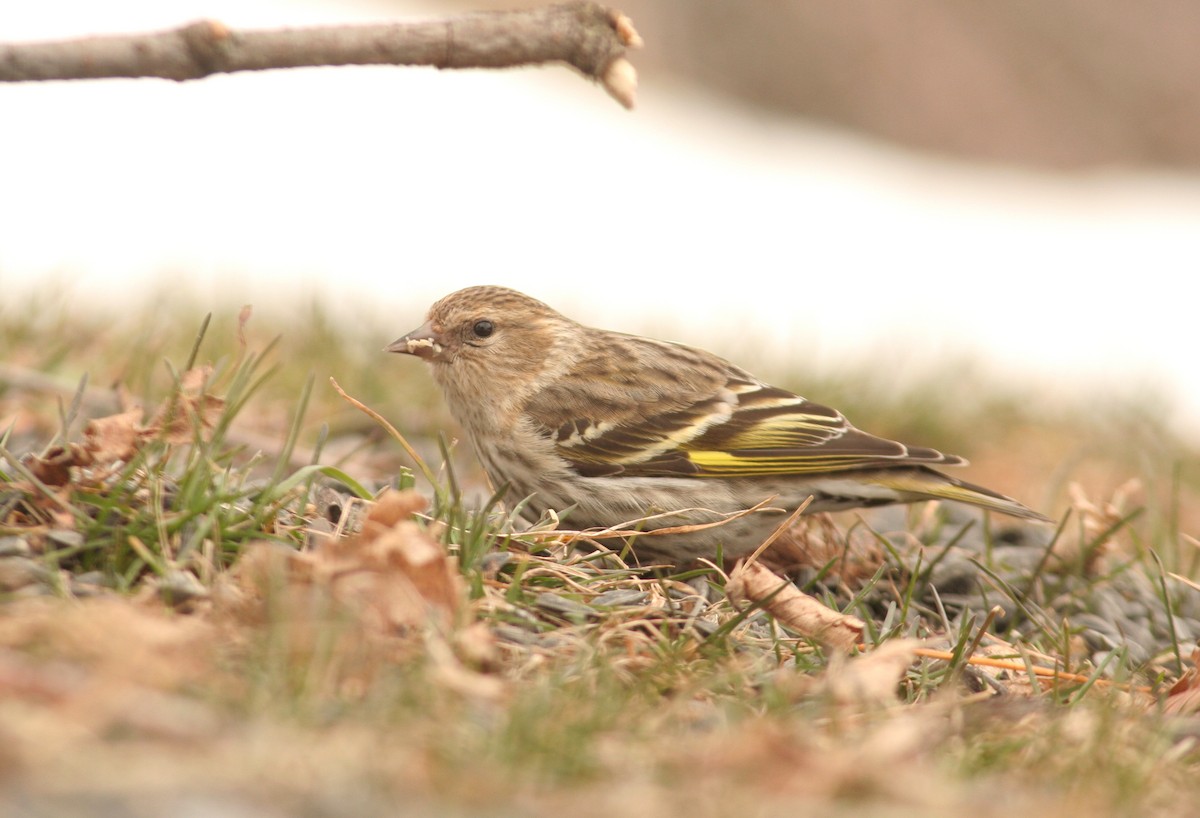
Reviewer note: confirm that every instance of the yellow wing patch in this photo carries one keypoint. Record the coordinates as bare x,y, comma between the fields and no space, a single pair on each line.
785,432
726,464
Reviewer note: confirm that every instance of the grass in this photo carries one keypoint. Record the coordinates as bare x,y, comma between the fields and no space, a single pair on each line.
181,633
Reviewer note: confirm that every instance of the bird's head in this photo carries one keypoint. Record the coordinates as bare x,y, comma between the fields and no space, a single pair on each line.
481,323
484,339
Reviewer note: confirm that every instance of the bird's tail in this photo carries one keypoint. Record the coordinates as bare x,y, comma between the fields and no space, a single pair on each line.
928,484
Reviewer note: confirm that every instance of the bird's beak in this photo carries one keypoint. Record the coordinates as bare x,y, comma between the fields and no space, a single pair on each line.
422,342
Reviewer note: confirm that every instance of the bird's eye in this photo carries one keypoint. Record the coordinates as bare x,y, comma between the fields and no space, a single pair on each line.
483,329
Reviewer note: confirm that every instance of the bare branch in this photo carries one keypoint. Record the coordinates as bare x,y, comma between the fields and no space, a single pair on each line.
585,35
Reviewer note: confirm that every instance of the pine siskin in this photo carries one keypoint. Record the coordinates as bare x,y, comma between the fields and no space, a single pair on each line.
610,428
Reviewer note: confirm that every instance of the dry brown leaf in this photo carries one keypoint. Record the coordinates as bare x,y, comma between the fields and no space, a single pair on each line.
872,678
113,438
393,566
105,665
815,541
476,644
452,673
114,638
45,682
177,420
792,607
1184,696
107,440
194,380
1094,519
368,600
392,575
886,761
54,467
243,319
265,573
392,508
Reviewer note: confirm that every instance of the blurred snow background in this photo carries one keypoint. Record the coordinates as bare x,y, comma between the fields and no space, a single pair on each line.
720,219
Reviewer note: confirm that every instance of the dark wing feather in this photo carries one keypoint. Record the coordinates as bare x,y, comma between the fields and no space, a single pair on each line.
686,413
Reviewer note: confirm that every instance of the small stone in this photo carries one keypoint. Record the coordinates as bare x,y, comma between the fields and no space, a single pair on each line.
65,538
181,587
14,547
19,572
493,562
1185,630
520,636
564,607
621,597
91,583
1016,559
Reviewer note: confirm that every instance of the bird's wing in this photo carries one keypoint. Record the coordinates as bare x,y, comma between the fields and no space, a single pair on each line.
722,424
774,432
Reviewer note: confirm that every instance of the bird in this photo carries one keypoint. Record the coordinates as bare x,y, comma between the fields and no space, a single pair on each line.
667,442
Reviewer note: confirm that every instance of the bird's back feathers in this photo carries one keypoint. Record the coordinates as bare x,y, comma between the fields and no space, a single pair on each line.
719,421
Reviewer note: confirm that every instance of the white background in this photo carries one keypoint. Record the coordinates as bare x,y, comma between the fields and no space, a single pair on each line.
377,190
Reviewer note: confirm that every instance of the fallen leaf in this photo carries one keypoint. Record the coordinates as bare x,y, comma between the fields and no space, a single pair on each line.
106,440
850,558
113,438
54,467
1096,521
1184,695
393,575
188,411
792,607
872,678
